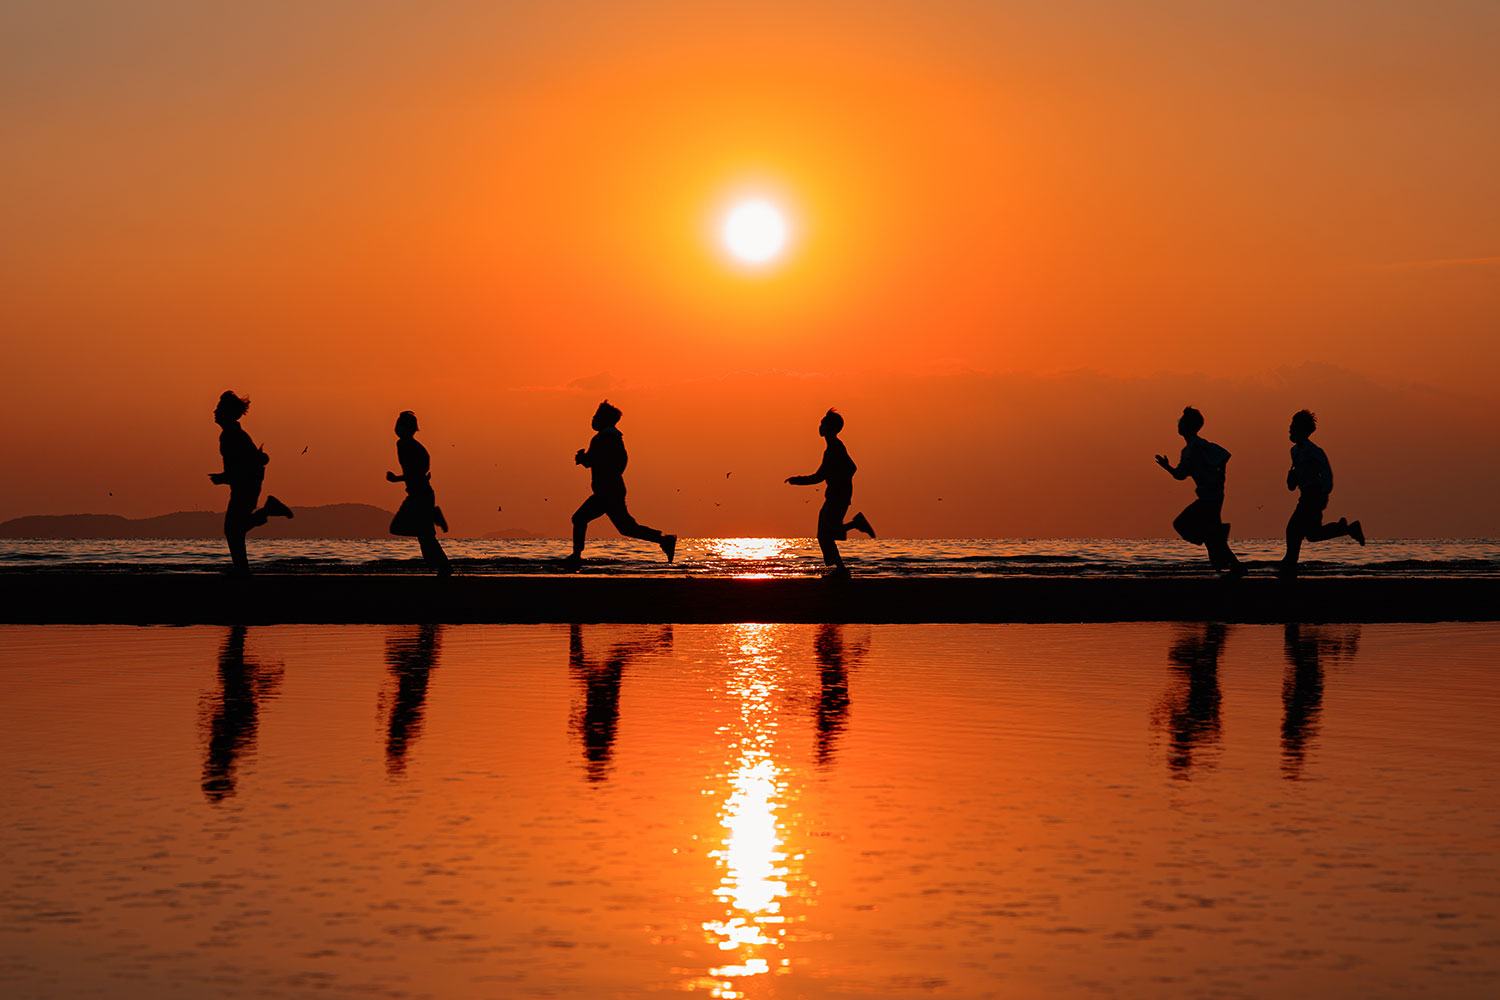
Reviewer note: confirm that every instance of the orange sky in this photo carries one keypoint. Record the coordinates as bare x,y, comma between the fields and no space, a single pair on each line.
1026,237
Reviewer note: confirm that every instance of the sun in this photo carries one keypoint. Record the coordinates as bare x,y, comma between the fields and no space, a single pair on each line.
755,231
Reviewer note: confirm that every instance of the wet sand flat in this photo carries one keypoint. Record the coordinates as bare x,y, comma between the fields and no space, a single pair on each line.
206,598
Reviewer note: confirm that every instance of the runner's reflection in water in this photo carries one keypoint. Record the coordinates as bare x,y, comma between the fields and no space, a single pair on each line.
1189,711
1308,647
411,654
834,660
596,722
231,716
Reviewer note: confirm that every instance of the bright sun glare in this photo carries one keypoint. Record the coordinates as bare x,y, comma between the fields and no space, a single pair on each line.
755,231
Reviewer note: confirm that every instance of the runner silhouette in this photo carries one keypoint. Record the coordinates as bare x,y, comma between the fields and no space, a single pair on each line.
1201,522
837,470
244,471
605,459
1313,477
419,514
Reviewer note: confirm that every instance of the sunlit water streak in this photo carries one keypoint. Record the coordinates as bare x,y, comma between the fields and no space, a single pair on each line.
764,557
753,883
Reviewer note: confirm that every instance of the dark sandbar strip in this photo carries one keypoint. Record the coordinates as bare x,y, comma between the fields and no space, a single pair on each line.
203,598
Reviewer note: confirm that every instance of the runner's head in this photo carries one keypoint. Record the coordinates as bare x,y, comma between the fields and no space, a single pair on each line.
230,408
1190,423
606,416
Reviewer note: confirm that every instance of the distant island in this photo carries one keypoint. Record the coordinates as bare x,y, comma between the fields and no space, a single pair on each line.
335,520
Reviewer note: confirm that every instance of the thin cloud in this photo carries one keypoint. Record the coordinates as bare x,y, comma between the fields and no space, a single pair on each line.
602,382
1442,264
594,383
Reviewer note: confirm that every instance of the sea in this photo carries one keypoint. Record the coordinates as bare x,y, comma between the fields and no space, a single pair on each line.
764,557
750,812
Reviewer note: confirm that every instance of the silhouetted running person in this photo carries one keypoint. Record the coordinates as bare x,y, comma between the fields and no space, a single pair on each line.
244,471
605,459
234,715
837,470
419,514
1313,476
1201,522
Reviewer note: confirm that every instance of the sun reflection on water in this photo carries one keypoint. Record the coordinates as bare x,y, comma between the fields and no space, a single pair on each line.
753,865
752,558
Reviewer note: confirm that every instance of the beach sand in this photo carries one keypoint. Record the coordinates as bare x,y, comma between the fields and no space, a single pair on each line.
206,598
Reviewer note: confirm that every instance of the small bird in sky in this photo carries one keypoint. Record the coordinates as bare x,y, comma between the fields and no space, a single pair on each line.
727,475
304,449
498,509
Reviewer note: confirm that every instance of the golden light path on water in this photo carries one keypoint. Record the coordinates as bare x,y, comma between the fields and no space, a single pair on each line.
751,558
753,882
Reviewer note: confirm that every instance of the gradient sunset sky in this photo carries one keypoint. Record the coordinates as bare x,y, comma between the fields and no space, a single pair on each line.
1024,235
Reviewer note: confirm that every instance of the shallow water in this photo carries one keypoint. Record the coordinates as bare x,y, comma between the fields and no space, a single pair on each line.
763,557
754,810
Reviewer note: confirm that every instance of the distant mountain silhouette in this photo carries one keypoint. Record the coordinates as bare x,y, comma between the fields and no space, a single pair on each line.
516,533
335,520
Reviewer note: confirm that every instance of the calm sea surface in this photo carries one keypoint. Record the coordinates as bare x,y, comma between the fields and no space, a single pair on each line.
750,811
767,556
